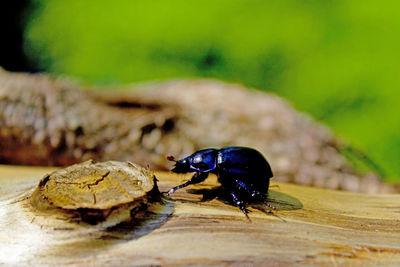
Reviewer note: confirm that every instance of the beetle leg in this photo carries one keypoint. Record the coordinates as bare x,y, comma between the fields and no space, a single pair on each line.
240,204
270,206
198,177
253,193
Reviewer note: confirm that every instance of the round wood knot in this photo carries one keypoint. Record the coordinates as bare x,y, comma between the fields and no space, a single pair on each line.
97,192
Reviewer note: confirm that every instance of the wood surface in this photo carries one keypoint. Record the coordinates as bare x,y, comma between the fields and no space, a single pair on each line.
311,227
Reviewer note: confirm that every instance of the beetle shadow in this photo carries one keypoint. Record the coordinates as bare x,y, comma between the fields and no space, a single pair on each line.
141,224
280,201
81,239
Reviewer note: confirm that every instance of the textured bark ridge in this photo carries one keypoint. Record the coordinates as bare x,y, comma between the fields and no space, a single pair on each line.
45,121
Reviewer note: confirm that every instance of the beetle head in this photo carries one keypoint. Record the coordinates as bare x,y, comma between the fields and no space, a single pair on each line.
200,161
182,166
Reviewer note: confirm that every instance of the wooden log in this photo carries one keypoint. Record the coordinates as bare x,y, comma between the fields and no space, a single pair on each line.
311,227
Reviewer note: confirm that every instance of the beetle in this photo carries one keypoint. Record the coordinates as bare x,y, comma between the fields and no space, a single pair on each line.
243,172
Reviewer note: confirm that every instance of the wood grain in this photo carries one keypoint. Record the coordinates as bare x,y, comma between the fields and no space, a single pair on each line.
312,227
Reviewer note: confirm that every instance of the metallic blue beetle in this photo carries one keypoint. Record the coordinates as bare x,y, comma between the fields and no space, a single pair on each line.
242,171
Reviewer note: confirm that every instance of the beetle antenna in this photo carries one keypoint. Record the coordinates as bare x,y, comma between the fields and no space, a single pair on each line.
171,158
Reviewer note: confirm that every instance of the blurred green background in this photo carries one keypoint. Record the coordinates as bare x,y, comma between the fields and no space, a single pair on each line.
337,60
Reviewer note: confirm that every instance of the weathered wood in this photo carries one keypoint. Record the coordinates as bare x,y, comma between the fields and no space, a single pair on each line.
312,227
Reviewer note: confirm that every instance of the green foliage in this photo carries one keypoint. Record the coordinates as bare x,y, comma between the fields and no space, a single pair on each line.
336,59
